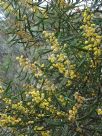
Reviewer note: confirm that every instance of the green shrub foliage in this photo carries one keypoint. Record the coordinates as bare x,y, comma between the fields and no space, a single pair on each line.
57,89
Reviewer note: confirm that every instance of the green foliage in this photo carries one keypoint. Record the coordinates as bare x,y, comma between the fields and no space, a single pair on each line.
52,81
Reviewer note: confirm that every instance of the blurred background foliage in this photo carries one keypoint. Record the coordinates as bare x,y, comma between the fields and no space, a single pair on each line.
21,28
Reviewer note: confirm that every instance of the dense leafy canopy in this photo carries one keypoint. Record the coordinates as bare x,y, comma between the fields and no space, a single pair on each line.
56,83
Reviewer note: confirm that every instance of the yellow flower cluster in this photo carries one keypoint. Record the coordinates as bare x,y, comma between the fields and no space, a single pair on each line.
52,39
42,131
79,99
59,60
99,111
37,128
7,101
31,67
39,98
1,90
62,100
35,9
73,112
25,36
49,86
61,3
45,133
60,63
93,39
19,107
27,86
7,119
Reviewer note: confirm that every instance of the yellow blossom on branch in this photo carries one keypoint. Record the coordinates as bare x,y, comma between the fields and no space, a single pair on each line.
93,39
